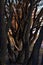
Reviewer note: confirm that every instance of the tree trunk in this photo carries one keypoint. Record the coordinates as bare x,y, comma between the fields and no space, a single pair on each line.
3,35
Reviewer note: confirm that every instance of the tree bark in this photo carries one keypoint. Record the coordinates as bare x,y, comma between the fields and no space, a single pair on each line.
3,35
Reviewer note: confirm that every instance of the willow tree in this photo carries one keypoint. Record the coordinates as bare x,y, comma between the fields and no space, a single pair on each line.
23,25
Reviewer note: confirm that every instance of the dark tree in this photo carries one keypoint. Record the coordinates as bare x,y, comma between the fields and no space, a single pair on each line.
23,27
3,38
